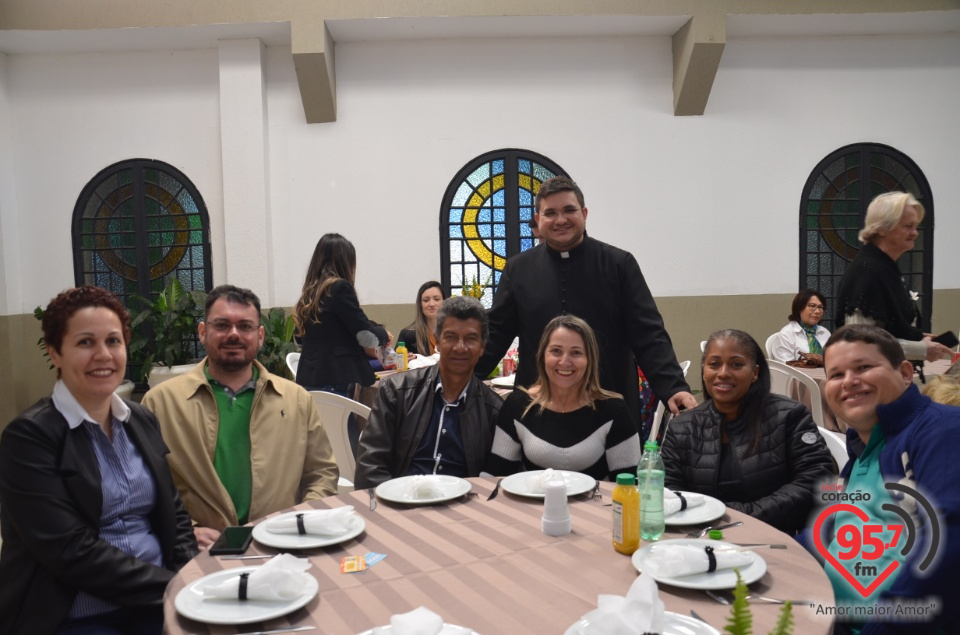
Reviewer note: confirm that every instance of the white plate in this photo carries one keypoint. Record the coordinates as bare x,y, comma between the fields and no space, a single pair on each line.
448,629
191,603
505,382
711,510
296,541
521,483
673,624
722,579
395,490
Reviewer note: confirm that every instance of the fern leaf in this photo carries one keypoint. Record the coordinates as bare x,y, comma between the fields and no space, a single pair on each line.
784,621
740,621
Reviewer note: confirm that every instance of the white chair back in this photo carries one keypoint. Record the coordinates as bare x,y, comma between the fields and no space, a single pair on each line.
685,366
293,362
661,409
334,413
837,446
703,346
783,380
769,345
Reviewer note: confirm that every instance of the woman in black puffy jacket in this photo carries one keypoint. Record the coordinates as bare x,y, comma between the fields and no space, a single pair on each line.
759,453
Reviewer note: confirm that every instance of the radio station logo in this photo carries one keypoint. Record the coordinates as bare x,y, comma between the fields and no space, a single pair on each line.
859,549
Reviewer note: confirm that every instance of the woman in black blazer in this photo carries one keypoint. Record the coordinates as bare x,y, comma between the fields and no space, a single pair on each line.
93,528
333,329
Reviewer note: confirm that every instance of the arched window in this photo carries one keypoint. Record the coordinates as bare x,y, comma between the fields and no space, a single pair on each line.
485,215
832,209
136,225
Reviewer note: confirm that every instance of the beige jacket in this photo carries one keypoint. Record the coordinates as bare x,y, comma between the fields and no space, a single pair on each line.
290,455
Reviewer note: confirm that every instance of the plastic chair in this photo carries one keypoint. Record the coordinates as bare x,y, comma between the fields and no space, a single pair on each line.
837,446
293,362
769,345
658,414
783,381
703,346
335,411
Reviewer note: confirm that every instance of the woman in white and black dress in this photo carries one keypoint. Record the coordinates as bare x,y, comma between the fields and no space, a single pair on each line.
565,421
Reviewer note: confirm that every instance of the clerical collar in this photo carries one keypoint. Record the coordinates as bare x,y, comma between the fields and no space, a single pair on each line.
573,253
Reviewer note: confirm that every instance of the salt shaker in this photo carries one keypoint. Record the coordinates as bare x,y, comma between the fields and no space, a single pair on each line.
556,515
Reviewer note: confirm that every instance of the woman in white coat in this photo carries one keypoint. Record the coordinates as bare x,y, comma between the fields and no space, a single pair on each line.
803,333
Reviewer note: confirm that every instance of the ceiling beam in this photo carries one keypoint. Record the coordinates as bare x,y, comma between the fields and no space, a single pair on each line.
697,48
314,62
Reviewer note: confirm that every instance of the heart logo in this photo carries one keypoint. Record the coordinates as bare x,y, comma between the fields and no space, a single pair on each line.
862,515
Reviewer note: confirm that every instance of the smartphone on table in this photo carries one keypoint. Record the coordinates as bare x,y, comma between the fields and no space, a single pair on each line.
232,541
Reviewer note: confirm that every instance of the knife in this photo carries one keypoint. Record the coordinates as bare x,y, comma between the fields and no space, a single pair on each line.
287,629
496,490
697,616
373,498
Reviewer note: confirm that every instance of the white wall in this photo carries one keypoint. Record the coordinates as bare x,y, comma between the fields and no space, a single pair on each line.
74,115
708,204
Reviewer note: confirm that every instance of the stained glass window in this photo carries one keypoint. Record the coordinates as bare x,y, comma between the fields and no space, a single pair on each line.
485,217
833,207
136,225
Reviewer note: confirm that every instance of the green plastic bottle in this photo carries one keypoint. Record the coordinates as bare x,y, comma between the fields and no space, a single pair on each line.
650,473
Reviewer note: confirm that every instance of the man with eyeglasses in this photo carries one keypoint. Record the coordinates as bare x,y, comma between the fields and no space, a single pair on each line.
243,442
434,420
575,274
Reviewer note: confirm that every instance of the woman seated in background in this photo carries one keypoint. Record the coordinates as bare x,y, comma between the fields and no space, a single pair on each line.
565,421
759,453
93,527
872,290
803,334
419,337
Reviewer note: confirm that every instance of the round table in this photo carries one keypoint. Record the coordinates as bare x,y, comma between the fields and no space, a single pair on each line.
487,565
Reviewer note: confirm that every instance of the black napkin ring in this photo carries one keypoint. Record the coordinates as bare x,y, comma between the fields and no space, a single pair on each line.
243,585
712,558
683,501
300,528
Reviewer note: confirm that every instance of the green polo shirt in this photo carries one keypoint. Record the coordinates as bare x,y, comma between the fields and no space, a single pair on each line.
865,477
231,457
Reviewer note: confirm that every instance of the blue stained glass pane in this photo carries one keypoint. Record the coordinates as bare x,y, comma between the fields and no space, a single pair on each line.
463,193
541,173
484,231
526,197
483,216
456,215
456,231
186,202
500,247
479,175
525,244
523,166
498,166
169,183
496,277
500,231
526,213
499,199
499,215
525,230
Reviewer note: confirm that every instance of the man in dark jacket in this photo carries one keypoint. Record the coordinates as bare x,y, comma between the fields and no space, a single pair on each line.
899,438
434,420
575,274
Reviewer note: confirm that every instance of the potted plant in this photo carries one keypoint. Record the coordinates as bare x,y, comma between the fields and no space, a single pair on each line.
277,341
164,332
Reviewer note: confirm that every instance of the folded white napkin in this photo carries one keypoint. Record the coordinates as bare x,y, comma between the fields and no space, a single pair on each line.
422,361
672,502
538,482
673,561
641,611
423,487
419,621
283,577
321,522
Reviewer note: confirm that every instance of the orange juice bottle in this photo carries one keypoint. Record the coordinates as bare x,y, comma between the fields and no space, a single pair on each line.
402,356
626,515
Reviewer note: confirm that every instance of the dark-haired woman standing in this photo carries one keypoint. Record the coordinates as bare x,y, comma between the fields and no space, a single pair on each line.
759,453
334,330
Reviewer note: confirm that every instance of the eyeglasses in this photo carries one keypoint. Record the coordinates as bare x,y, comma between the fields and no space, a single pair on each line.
816,307
566,212
225,326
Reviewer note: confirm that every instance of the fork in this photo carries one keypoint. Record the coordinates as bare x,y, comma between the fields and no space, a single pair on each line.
496,490
595,494
703,532
727,601
373,498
